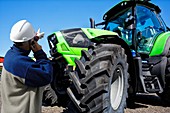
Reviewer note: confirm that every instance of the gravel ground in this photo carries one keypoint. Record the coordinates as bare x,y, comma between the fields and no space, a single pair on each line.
55,109
144,103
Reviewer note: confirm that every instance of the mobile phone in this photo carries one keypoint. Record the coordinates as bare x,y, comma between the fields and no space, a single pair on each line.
33,43
36,38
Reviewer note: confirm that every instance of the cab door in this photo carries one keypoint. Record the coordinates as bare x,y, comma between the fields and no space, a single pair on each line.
149,26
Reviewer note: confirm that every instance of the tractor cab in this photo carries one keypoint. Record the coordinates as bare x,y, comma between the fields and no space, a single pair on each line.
138,24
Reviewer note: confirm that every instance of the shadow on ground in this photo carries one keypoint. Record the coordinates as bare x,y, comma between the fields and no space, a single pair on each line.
143,100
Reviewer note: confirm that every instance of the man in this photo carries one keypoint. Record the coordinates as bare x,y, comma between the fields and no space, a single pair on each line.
23,78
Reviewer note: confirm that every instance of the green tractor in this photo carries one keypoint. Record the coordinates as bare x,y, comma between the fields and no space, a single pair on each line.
98,70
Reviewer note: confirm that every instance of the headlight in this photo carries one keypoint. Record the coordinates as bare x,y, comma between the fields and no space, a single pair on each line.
52,41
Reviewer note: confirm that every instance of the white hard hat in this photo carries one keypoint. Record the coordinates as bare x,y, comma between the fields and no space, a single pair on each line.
22,31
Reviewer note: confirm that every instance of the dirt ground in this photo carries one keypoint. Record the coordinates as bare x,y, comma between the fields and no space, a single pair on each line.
144,103
148,103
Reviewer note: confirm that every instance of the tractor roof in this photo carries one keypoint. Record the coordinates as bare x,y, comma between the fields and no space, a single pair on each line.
124,5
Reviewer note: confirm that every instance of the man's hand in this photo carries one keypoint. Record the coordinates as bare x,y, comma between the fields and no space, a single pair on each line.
35,46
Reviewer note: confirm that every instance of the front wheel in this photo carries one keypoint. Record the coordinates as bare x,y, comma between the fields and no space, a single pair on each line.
49,97
100,81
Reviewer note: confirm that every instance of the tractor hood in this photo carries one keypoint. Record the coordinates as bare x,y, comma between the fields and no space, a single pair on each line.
92,33
125,5
68,43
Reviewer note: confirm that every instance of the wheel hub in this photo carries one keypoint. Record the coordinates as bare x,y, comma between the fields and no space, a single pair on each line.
117,87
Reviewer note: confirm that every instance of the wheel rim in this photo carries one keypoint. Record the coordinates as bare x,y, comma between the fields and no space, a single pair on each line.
117,87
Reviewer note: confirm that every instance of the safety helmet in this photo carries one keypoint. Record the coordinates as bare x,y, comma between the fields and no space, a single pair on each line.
22,31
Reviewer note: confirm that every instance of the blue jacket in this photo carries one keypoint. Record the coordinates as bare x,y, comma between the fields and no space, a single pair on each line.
36,73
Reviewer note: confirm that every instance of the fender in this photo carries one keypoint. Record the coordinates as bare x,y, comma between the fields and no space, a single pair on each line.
93,33
161,45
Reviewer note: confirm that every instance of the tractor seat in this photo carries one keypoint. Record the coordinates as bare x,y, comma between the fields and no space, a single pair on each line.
148,32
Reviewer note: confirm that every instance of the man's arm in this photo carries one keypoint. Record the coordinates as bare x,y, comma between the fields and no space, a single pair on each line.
40,72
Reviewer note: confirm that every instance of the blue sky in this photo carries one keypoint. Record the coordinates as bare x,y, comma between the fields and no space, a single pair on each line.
55,15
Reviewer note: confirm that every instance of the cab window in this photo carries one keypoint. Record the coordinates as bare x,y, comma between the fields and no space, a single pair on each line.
149,26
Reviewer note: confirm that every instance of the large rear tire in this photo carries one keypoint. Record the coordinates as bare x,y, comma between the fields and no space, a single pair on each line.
100,81
56,92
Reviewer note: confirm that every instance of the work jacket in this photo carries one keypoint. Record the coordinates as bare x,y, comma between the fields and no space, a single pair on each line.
22,81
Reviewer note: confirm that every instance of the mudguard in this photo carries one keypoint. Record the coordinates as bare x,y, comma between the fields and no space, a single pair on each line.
161,45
